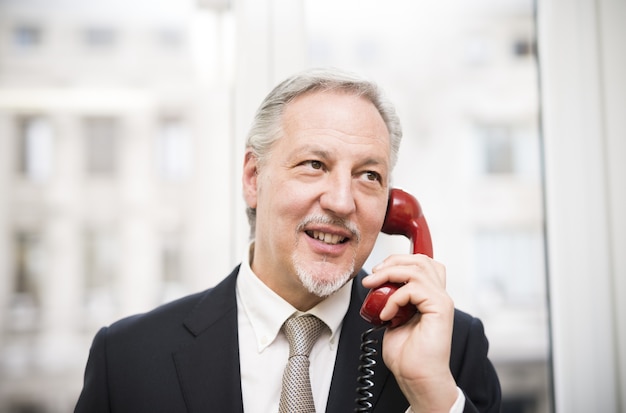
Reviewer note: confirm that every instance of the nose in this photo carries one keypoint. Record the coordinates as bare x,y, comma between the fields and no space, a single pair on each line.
338,197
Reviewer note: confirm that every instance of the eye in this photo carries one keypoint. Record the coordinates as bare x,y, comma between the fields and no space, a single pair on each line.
315,164
373,176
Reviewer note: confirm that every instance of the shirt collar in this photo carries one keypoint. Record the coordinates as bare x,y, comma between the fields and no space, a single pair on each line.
267,311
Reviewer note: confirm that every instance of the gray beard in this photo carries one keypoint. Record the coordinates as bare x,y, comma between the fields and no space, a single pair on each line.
312,283
318,287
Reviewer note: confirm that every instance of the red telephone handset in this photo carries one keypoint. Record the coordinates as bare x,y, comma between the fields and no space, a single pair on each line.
404,217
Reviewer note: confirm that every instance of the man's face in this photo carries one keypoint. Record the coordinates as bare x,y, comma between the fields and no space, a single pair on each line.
320,196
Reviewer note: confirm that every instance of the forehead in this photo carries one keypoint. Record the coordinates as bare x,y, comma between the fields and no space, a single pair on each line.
336,111
335,126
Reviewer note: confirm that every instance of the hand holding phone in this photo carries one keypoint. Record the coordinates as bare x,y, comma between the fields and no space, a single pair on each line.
430,335
404,217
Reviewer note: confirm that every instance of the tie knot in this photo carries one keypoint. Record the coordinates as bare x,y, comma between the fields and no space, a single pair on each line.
302,332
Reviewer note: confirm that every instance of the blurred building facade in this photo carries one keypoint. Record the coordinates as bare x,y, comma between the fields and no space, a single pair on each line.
122,126
112,139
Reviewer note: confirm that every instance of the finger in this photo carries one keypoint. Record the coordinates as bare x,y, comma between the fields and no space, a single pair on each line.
416,271
391,270
421,261
426,298
402,259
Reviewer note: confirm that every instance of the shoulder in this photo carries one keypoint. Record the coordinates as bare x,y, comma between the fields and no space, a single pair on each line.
470,364
163,315
469,341
466,325
167,322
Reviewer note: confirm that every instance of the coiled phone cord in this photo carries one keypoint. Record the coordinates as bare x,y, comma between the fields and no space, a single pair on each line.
368,353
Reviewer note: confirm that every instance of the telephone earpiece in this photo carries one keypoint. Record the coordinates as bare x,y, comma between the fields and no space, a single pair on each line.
404,217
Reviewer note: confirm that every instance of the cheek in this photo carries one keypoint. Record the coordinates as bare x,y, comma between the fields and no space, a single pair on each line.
373,220
378,213
280,201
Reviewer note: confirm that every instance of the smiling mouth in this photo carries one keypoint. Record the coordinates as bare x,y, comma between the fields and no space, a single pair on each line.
332,239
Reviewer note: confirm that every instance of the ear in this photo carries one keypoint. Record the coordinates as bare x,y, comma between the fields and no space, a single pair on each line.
249,179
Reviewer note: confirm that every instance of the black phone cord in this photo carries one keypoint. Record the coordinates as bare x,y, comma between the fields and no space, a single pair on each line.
365,385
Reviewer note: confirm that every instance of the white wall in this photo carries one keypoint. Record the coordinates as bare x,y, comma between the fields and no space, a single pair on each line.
583,67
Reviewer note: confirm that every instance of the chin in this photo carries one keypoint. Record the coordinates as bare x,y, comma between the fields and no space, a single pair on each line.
322,285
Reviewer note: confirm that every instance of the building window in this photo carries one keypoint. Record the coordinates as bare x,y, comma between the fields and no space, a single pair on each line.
99,37
171,266
99,258
26,407
25,301
34,147
171,258
100,266
173,150
28,263
523,47
510,266
498,150
27,36
505,149
101,135
170,39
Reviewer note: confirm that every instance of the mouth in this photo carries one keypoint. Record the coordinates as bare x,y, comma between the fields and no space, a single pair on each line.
327,238
330,235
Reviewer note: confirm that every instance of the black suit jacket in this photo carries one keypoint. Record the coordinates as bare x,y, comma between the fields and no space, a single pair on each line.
184,357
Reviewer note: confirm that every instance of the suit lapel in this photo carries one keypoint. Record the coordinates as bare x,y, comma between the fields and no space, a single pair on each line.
346,372
208,367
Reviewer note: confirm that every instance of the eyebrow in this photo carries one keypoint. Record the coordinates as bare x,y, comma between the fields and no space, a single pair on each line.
311,149
325,155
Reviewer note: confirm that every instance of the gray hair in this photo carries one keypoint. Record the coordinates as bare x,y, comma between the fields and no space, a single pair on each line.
267,126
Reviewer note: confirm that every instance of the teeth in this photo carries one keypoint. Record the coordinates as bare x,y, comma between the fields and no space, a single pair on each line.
327,238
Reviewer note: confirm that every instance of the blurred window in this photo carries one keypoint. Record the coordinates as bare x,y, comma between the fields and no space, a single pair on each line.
171,266
35,143
27,36
510,265
99,37
100,258
523,47
173,149
508,149
101,135
498,150
26,407
28,265
100,268
170,39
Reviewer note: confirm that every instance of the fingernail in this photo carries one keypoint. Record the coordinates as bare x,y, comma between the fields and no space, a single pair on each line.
378,267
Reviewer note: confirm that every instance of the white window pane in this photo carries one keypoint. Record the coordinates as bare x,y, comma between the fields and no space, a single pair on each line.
170,39
508,149
497,147
172,286
36,141
101,145
173,150
509,264
101,259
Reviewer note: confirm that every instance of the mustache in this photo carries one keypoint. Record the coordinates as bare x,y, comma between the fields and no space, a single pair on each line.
328,220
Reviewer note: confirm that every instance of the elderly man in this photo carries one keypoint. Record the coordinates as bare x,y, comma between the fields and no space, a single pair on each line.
316,176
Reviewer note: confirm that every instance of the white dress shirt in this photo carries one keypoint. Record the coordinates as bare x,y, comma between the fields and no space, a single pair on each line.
264,350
